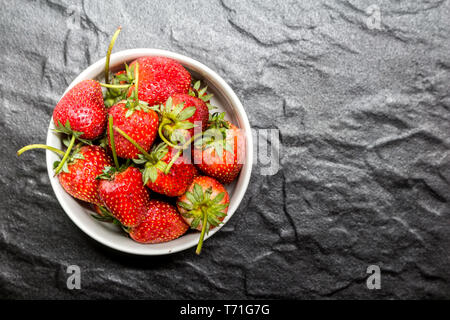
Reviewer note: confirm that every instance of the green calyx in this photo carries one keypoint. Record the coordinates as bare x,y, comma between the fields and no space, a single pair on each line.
119,87
202,207
63,165
132,103
107,216
66,129
201,202
215,138
69,143
107,173
114,95
217,120
153,162
196,91
216,135
173,121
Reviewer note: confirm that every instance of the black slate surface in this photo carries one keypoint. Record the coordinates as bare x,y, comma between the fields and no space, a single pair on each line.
362,106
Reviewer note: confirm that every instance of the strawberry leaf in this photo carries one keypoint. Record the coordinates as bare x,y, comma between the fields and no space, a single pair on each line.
78,156
158,152
198,193
129,112
65,167
140,160
168,105
161,166
219,197
206,97
186,113
108,172
195,223
210,106
185,205
202,91
150,173
190,197
56,164
129,73
213,220
101,218
185,125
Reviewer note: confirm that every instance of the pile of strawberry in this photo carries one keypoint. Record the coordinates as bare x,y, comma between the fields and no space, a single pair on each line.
145,151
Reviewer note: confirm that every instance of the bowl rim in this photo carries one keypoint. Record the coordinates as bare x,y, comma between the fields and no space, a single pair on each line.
243,180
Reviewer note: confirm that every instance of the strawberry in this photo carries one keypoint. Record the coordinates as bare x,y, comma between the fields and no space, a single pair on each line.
81,111
78,176
124,195
180,114
178,177
159,78
220,152
161,223
196,173
204,205
138,122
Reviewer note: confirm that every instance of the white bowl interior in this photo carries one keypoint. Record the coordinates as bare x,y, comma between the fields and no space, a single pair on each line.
224,98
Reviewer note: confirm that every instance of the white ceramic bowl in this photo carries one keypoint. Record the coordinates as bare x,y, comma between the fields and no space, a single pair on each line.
224,98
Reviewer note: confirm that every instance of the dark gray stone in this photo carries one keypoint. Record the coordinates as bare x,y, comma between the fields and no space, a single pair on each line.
363,115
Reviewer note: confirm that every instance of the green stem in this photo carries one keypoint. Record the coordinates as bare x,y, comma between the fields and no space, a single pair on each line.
134,143
66,155
172,161
202,235
108,53
40,146
136,84
115,86
163,138
111,140
178,154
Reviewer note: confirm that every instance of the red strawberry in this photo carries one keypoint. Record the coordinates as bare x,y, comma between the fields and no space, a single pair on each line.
140,123
159,78
81,110
124,195
161,223
178,177
204,205
197,173
179,116
220,153
78,176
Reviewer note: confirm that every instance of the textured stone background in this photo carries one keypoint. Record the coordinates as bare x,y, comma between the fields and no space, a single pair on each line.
364,124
